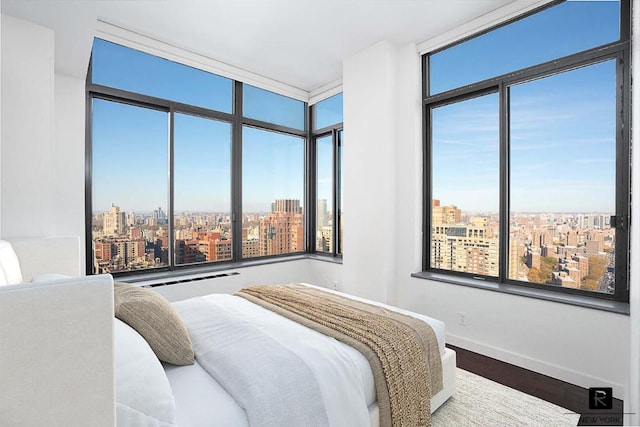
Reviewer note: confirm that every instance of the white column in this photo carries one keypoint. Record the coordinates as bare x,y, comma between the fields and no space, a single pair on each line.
369,171
27,131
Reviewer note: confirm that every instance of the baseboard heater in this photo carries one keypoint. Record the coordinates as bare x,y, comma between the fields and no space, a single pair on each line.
191,279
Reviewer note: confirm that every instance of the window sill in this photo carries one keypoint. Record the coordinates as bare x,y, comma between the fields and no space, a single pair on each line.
576,300
335,259
195,271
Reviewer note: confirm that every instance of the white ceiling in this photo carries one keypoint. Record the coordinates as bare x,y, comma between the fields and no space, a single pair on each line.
301,43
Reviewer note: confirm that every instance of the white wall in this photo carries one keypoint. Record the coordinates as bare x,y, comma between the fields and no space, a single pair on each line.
0,120
42,150
27,138
368,175
582,346
67,160
277,273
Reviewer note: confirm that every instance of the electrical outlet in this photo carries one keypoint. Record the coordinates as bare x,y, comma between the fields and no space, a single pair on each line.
334,285
462,318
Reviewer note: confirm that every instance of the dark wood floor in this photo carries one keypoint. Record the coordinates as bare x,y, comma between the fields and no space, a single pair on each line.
541,386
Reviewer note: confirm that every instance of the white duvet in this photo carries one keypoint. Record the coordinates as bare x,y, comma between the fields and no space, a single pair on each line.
343,375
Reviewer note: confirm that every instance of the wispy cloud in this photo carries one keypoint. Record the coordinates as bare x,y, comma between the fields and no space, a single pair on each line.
594,160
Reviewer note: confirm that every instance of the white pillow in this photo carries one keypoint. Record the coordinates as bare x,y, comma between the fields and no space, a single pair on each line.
143,393
9,264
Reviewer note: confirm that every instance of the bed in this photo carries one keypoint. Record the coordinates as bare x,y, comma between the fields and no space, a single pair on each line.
213,391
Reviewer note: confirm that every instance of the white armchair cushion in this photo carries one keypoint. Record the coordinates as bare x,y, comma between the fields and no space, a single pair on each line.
11,271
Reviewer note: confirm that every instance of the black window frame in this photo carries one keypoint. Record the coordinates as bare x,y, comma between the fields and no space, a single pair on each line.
336,132
237,122
620,51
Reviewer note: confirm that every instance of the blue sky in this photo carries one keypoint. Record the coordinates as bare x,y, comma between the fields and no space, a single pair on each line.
562,127
130,144
325,170
130,162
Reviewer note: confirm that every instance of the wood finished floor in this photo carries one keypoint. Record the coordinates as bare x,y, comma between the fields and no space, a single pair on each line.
541,386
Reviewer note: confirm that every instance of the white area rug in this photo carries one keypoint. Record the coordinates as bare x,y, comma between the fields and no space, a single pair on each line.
482,402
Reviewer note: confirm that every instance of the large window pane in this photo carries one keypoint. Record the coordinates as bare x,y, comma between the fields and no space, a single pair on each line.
563,171
324,188
270,107
328,112
272,193
131,70
567,28
129,180
465,182
202,189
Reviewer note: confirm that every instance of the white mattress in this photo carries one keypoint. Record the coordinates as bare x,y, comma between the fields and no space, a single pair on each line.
195,390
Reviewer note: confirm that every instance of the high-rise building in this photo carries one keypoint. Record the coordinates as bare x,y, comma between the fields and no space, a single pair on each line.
160,216
324,239
471,248
204,246
250,248
282,231
444,214
114,222
286,205
131,218
321,217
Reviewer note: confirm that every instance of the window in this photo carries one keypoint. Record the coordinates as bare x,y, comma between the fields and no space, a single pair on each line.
129,228
202,190
552,33
183,164
134,71
269,107
327,121
324,191
272,192
466,133
527,151
327,112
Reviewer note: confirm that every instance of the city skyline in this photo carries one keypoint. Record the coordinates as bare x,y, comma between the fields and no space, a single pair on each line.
125,240
574,250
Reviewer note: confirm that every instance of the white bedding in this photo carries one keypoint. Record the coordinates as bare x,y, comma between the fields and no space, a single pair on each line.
348,369
200,400
194,391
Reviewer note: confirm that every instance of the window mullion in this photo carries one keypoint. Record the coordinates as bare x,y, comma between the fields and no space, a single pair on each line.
503,215
334,214
311,182
170,226
236,174
623,193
